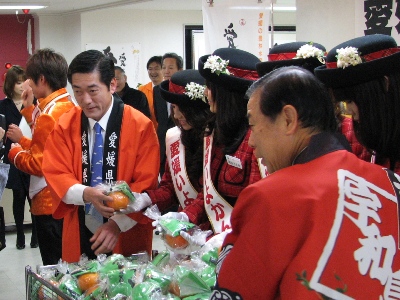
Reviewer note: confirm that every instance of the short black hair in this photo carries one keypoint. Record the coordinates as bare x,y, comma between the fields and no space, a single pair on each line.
298,87
90,61
179,59
156,59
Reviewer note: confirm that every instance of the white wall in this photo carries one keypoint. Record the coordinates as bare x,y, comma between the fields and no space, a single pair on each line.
157,31
326,22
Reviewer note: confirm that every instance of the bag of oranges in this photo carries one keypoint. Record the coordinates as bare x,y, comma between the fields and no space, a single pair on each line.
120,192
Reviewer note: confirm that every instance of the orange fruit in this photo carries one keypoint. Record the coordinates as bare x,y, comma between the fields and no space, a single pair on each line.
45,292
91,290
174,288
120,200
86,281
176,241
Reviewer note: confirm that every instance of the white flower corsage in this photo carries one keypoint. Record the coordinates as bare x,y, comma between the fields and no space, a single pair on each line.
195,91
348,56
217,65
308,50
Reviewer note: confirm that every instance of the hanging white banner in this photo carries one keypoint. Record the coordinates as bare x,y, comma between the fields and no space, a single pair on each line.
126,56
233,24
378,17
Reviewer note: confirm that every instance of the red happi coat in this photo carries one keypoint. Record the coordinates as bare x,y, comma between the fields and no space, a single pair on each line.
330,224
137,165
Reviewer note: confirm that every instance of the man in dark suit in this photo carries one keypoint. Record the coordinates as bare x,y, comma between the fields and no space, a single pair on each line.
130,96
171,63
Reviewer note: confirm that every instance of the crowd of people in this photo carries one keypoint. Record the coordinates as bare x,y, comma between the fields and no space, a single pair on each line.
291,166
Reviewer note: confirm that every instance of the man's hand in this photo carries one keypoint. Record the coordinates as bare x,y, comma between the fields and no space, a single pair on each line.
27,94
97,198
105,238
14,133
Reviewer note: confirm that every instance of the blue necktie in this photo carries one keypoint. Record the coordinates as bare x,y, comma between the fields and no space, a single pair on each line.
97,157
96,169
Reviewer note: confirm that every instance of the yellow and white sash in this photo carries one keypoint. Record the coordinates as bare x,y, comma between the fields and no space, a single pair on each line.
218,209
177,166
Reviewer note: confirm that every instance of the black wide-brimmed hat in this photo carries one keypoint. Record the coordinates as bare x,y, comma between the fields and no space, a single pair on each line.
234,69
307,55
185,88
360,60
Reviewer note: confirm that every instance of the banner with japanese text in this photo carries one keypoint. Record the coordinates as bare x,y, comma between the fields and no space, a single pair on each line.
237,24
126,56
381,16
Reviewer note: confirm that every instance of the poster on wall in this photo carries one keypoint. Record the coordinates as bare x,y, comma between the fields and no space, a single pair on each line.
235,24
126,56
378,17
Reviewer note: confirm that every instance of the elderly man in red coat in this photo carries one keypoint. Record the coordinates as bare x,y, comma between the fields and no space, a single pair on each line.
323,224
130,153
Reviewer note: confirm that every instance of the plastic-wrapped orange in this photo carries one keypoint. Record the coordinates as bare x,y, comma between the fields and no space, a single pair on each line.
174,288
120,200
86,281
176,242
45,293
90,290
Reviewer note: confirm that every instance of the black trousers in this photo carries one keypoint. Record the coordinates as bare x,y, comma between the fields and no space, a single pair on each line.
2,228
19,199
49,233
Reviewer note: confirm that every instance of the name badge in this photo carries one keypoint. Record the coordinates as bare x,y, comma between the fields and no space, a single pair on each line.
233,161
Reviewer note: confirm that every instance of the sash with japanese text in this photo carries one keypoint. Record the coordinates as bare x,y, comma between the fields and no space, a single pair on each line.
218,210
177,166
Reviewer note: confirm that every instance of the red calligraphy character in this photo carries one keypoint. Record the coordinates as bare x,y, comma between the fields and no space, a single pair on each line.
225,226
209,197
180,183
261,15
218,209
206,157
174,147
187,200
260,22
176,165
260,30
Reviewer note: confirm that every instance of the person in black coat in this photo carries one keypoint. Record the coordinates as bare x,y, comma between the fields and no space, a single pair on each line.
18,181
130,96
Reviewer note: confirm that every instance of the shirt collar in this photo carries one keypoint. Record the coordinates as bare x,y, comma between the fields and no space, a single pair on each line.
320,144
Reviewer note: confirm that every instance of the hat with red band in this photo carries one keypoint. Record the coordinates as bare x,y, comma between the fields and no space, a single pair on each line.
234,69
185,88
360,60
307,55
